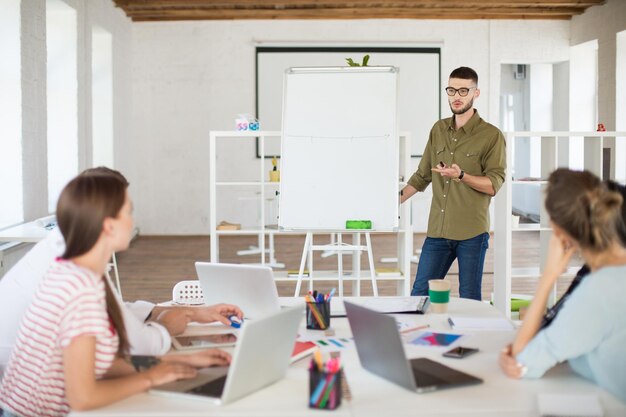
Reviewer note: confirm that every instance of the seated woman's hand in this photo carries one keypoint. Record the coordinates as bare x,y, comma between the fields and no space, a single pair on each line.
166,372
510,366
560,251
201,359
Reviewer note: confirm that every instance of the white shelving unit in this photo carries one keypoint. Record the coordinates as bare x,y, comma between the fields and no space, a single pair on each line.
551,158
267,189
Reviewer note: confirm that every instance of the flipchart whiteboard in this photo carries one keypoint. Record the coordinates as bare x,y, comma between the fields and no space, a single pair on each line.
339,151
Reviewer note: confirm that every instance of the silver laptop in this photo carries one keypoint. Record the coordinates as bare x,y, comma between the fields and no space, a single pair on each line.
381,352
261,358
250,287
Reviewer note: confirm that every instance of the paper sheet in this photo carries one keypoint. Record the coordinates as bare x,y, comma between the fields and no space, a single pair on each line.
480,323
433,339
557,405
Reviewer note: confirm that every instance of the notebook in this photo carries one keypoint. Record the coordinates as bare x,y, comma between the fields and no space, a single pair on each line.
249,287
381,352
387,305
261,358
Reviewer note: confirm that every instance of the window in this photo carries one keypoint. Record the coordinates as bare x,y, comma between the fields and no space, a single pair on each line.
11,201
620,105
583,106
102,97
62,95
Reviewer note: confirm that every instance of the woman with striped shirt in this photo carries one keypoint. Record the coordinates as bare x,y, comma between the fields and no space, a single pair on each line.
71,351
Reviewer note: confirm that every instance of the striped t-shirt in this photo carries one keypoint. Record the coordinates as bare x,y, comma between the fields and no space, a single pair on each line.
70,302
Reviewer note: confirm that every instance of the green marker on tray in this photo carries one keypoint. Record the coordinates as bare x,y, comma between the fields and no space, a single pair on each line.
358,224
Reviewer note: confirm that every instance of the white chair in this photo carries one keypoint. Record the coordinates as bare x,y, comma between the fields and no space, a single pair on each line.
187,292
113,266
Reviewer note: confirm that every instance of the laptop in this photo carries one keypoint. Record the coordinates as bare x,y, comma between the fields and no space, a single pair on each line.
250,287
381,352
261,358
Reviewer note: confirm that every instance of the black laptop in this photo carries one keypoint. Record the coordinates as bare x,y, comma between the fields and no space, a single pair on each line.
380,350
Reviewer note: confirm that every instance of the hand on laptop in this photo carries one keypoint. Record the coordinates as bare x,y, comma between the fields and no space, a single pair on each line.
217,312
166,372
201,359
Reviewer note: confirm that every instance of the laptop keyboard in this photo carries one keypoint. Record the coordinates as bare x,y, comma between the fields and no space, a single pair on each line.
211,389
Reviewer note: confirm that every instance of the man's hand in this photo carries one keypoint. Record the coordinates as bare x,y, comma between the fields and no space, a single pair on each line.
218,312
175,319
447,171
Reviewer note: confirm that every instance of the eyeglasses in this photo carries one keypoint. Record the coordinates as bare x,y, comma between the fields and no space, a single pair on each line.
451,91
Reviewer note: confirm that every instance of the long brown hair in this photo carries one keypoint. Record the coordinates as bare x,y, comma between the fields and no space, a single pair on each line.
585,208
83,206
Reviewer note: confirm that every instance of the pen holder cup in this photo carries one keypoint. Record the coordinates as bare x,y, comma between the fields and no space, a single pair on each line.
318,315
324,389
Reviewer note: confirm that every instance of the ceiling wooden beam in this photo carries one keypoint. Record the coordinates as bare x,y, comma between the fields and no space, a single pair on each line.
359,3
331,15
144,10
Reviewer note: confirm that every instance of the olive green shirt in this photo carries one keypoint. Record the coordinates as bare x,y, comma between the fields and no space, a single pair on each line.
457,211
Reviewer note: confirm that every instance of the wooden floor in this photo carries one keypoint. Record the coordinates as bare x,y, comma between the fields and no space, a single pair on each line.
152,265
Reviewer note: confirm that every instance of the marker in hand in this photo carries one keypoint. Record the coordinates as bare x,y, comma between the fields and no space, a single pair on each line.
235,322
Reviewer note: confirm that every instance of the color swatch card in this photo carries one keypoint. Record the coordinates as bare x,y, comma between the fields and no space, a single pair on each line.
329,344
432,339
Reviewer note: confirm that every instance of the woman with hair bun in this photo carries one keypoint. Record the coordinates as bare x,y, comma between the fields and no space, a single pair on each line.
590,329
72,348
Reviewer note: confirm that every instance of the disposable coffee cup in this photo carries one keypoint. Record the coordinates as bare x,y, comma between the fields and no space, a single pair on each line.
439,293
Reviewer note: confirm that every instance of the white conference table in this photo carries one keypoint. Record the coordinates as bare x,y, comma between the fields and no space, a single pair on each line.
374,396
31,232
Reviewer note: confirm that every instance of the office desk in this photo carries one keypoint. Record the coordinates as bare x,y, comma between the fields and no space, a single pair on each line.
374,396
30,232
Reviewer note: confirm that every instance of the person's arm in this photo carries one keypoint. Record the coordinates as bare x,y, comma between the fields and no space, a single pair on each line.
145,338
175,319
407,192
141,309
422,176
559,253
85,392
479,183
580,327
540,357
493,166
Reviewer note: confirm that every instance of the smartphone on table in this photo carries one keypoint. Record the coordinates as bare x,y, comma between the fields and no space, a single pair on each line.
460,352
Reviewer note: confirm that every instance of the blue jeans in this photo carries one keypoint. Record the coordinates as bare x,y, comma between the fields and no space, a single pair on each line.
437,257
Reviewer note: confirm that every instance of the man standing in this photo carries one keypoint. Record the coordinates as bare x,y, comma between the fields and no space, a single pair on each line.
465,160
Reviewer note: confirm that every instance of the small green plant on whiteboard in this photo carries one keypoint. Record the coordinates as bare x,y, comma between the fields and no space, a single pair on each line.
351,63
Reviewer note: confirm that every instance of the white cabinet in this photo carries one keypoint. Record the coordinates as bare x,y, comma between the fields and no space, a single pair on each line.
264,190
549,150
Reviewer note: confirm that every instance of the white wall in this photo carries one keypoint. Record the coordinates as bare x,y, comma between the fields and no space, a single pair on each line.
11,203
602,23
193,77
33,71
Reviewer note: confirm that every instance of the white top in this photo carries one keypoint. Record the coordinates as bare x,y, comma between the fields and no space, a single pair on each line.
589,332
18,287
70,302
